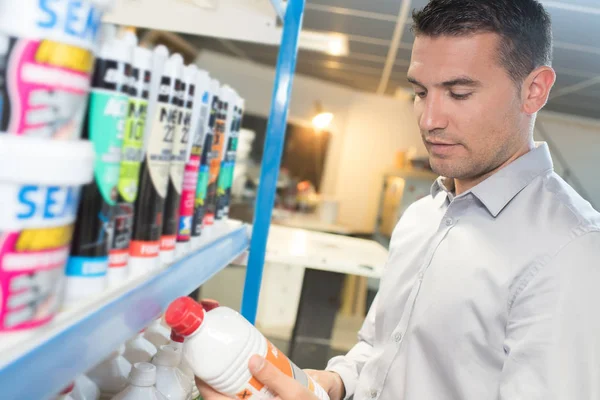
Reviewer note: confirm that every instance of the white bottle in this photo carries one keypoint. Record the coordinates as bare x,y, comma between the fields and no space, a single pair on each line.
218,346
111,374
139,349
157,334
141,384
66,393
170,381
85,389
184,367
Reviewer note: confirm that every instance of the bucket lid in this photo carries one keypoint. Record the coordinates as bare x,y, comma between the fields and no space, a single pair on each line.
184,315
167,356
45,162
142,374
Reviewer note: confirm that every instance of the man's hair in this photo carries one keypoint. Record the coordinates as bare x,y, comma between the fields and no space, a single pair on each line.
524,27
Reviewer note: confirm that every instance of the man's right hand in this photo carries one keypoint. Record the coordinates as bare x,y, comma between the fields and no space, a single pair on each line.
330,381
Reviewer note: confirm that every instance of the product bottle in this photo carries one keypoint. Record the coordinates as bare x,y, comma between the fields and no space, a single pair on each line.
205,164
131,158
139,349
230,98
181,138
177,342
85,389
141,384
111,374
157,334
88,264
218,346
231,150
170,381
144,248
190,176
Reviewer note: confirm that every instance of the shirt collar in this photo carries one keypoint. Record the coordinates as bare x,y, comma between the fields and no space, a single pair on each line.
499,189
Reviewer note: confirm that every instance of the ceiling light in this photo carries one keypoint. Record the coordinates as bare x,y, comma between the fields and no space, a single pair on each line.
322,121
334,44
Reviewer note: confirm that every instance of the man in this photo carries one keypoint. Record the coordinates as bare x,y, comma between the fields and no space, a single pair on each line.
491,287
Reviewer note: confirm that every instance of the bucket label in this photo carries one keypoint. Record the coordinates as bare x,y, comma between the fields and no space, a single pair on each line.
161,137
43,88
76,22
87,267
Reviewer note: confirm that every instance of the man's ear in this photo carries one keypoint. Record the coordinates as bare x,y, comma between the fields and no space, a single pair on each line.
536,89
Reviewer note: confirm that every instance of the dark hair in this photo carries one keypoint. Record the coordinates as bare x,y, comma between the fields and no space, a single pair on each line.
523,25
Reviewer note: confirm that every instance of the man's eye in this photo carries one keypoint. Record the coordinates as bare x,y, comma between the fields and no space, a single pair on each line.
421,95
457,96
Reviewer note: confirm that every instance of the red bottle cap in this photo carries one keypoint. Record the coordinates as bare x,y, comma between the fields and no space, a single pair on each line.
175,337
184,316
209,304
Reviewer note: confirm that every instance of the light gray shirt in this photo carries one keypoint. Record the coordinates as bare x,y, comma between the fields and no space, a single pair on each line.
492,294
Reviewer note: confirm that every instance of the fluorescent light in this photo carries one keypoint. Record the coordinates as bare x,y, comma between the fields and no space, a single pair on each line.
330,43
322,121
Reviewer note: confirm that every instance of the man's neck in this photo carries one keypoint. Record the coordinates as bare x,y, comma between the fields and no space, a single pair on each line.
463,185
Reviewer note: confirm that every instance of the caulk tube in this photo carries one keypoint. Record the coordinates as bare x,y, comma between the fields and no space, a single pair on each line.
230,105
87,266
200,197
180,140
144,248
241,106
214,164
204,171
190,177
131,158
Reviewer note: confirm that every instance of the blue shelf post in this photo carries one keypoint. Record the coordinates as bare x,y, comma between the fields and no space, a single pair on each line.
284,75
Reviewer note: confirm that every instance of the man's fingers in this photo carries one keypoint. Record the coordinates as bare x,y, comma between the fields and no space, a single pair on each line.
285,386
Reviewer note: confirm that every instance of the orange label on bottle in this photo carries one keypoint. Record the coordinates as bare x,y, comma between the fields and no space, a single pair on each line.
138,248
167,242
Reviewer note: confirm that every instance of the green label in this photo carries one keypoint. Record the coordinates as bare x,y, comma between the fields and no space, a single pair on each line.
203,177
223,178
107,112
133,140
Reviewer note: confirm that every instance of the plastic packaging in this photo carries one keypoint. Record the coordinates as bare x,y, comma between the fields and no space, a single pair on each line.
216,154
218,346
180,139
190,177
141,384
139,349
85,389
208,120
230,101
111,374
154,173
131,158
157,334
40,183
46,59
229,158
186,370
87,267
170,381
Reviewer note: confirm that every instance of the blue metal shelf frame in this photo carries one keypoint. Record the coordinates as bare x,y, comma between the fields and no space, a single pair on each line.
284,76
55,363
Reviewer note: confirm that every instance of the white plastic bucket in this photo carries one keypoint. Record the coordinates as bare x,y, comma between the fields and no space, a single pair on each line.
40,182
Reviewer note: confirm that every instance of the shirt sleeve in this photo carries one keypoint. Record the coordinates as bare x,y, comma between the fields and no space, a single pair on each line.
553,332
350,365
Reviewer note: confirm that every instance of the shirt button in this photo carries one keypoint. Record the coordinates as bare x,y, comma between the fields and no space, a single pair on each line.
449,221
398,337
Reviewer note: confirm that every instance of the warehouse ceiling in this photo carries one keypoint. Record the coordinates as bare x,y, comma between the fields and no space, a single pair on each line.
370,25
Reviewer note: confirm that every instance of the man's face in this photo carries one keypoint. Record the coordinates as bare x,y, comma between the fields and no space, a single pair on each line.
468,108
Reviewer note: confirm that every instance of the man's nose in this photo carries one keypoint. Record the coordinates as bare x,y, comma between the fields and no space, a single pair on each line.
433,116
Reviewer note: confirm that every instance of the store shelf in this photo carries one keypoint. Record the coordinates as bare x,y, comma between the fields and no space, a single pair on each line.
279,6
38,364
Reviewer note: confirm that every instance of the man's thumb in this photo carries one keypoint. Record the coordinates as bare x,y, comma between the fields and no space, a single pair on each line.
273,378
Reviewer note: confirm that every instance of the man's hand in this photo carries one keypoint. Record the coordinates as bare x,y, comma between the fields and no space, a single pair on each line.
330,381
266,373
